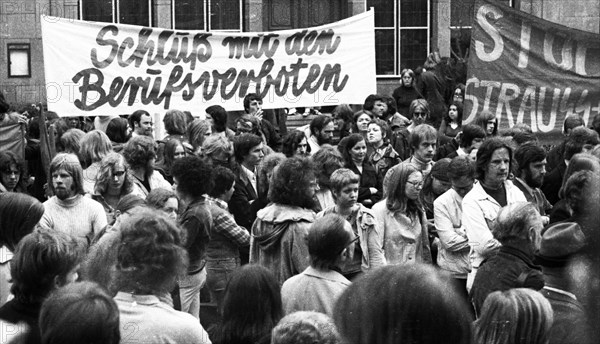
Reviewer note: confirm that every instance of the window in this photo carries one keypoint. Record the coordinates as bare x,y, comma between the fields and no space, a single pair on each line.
207,15
461,18
134,12
401,34
19,60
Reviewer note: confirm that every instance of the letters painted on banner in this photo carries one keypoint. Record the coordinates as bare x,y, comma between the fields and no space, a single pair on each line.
527,70
98,68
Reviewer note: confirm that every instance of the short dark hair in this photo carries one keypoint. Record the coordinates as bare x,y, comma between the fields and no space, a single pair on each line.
224,179
572,122
81,312
175,122
469,133
461,166
574,190
242,144
19,214
136,116
40,257
250,97
291,181
370,101
158,197
291,142
116,130
194,176
580,137
150,254
219,116
139,151
528,153
485,152
319,122
326,240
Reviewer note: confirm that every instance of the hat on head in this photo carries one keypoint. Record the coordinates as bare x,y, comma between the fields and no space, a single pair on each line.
440,170
560,241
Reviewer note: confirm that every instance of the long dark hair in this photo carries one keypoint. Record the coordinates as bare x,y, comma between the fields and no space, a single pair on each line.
251,306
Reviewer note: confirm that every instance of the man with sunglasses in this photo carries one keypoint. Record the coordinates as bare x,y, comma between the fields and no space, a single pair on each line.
330,243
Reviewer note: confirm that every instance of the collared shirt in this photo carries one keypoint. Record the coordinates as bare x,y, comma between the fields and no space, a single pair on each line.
252,177
535,196
218,202
313,290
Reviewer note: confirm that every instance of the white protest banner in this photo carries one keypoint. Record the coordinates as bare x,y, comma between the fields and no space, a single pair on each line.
96,68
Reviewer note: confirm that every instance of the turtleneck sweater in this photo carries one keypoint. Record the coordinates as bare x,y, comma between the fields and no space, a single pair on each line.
78,216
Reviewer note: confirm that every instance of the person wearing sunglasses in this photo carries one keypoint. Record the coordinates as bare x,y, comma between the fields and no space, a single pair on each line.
331,243
418,113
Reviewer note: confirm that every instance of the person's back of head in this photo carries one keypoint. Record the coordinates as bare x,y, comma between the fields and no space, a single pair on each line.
219,116
251,305
117,130
327,239
80,313
305,328
402,304
19,214
94,146
514,316
150,254
175,122
70,141
43,261
291,183
326,160
469,133
572,122
580,140
518,223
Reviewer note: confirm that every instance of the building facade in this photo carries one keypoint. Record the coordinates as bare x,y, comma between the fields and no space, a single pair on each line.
406,30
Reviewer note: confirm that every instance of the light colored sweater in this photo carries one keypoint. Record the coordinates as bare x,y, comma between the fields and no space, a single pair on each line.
78,216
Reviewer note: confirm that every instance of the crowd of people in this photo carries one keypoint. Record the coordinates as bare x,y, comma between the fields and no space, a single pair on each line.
392,224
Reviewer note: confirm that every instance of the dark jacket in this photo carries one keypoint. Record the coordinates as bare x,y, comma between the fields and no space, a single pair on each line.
570,324
510,268
368,179
403,97
240,204
196,221
553,182
16,312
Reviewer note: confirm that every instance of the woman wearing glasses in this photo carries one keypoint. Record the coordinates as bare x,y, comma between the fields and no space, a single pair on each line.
402,219
368,252
418,113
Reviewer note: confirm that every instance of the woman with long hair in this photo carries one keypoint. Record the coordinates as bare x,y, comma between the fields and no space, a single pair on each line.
514,316
174,149
326,161
402,219
119,132
113,182
451,124
95,145
406,92
198,131
360,123
19,214
488,122
418,113
251,307
354,153
343,114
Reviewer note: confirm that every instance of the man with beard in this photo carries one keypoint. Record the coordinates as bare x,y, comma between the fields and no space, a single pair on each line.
68,210
278,240
140,154
321,132
531,169
481,205
141,123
